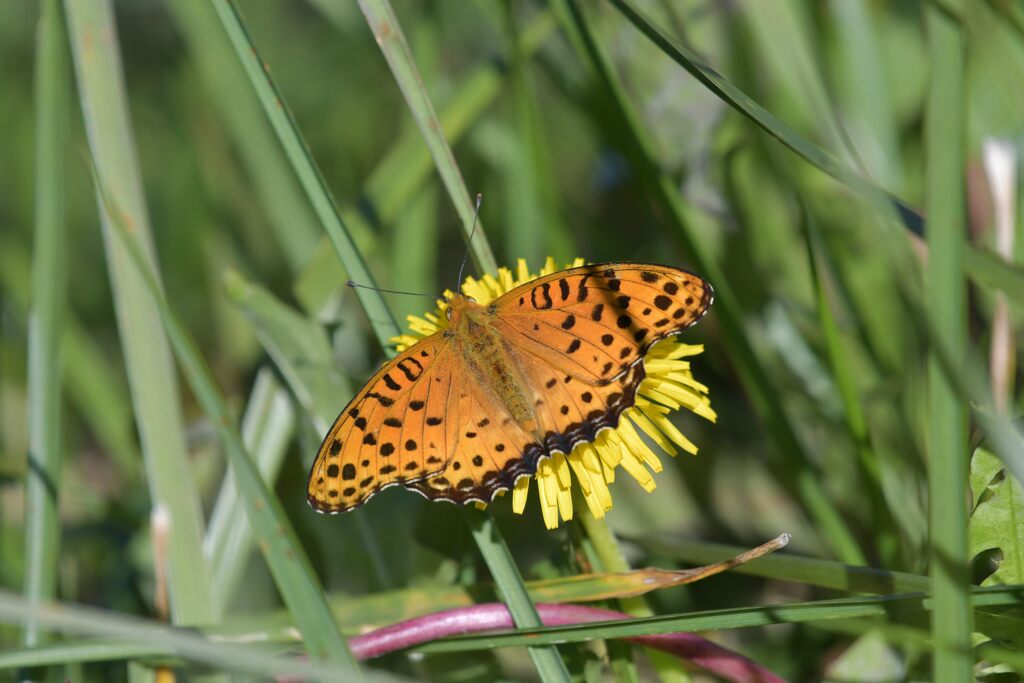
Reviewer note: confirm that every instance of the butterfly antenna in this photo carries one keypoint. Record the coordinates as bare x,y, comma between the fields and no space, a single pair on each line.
356,285
472,231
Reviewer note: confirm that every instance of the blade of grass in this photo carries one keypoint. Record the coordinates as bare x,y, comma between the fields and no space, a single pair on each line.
867,459
946,298
95,388
752,372
746,106
46,316
901,606
406,166
267,427
489,540
312,181
502,566
1009,275
391,40
151,376
133,637
291,217
293,574
302,352
786,567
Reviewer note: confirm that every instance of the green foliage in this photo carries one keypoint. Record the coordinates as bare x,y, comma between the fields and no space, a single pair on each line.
997,521
790,151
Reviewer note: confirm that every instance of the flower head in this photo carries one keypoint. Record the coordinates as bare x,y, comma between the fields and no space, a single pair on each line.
669,385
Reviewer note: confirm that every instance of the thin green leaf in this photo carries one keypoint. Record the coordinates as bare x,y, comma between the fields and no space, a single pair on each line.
506,575
946,299
293,574
302,352
405,167
786,567
312,180
391,40
267,428
902,606
151,373
289,214
867,458
752,372
135,637
46,317
742,103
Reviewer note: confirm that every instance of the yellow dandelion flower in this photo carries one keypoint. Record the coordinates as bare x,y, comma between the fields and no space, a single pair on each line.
668,385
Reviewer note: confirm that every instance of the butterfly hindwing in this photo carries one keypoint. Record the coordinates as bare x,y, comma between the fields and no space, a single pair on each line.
490,451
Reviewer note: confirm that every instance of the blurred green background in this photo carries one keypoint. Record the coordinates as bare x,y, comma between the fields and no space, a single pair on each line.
818,376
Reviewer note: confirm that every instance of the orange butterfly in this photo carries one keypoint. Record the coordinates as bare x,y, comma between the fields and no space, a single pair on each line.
464,413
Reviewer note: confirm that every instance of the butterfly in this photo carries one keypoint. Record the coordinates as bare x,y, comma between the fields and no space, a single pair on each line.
464,413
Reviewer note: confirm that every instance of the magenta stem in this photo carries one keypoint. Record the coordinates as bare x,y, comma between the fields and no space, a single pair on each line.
699,651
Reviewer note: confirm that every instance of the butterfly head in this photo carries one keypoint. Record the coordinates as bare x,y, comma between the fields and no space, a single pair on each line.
464,313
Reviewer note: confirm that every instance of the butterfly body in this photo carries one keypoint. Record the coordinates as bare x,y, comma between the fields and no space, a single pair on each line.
464,413
487,354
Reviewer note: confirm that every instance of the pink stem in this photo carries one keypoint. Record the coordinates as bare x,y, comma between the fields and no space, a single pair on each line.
491,616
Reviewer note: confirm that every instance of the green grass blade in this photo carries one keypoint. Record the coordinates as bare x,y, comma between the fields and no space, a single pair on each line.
293,574
95,388
267,427
302,352
311,179
746,106
133,636
900,606
151,374
503,568
856,424
727,307
299,348
391,40
46,317
289,214
786,567
947,301
406,166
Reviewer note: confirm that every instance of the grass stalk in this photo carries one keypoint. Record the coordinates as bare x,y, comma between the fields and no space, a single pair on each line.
746,106
856,424
391,40
112,636
267,428
752,372
513,592
46,316
946,299
283,122
289,214
292,571
151,373
606,547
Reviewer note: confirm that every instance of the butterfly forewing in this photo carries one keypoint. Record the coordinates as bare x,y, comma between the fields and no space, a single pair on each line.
580,335
597,321
394,431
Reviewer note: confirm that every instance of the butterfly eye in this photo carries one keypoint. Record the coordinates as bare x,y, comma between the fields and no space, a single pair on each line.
470,299
448,312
